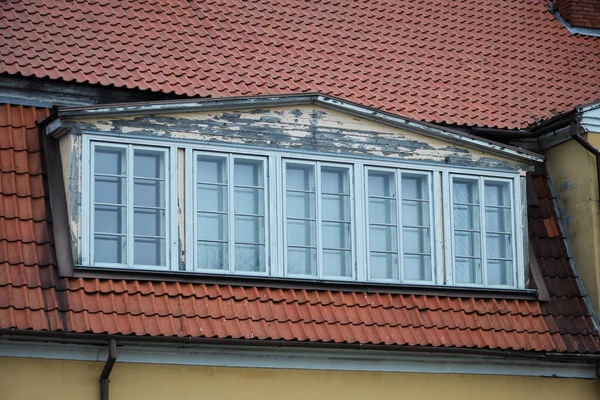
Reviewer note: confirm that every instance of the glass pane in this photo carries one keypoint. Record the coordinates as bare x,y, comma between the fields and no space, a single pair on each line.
498,245
336,235
212,198
465,191
249,229
110,249
466,217
383,238
468,270
249,201
414,187
148,193
301,261
301,233
148,251
300,205
148,222
381,183
497,194
108,189
416,240
382,211
337,263
300,177
109,160
415,213
148,163
334,180
250,258
384,266
335,207
497,219
212,226
212,169
417,267
467,243
248,172
110,219
211,256
499,272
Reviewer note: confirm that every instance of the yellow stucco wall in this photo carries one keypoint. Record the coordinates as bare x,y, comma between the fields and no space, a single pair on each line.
64,380
573,172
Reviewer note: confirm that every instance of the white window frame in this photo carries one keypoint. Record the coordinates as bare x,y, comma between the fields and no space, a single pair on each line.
440,178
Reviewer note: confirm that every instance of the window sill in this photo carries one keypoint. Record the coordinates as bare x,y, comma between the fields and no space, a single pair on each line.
308,284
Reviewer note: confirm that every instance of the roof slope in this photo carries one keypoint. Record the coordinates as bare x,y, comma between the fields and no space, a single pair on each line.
474,62
33,297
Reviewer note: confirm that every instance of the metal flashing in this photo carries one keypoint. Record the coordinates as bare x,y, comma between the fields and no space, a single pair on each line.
576,30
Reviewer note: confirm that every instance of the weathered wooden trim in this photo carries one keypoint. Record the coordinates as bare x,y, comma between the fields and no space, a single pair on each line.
536,273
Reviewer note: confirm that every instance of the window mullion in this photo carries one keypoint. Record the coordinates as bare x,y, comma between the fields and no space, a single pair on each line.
482,227
130,220
399,225
231,213
319,217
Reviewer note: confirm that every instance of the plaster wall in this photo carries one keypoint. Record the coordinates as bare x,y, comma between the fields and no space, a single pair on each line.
25,378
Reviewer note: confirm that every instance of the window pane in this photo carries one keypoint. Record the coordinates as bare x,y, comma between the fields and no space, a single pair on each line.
417,267
336,235
336,207
212,226
301,233
250,258
499,272
468,270
300,177
467,243
148,251
334,180
212,198
148,193
211,256
249,229
498,245
109,160
384,266
248,172
110,249
301,261
110,219
414,187
337,263
211,169
300,205
148,163
111,190
383,238
381,183
497,219
415,213
416,240
497,194
148,222
466,217
249,201
465,191
382,211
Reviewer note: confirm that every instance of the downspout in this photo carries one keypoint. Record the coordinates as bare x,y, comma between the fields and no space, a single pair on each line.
589,147
108,366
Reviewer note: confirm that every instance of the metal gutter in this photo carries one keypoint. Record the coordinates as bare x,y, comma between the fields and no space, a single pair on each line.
589,147
108,366
93,338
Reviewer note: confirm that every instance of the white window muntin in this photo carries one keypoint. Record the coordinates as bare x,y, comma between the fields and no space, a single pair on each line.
480,230
131,235
320,220
229,214
397,226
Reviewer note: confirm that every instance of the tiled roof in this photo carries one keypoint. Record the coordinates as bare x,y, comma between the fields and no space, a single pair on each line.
474,62
33,297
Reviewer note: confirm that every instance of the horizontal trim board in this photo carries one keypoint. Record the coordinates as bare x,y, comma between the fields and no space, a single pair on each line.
340,360
229,103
